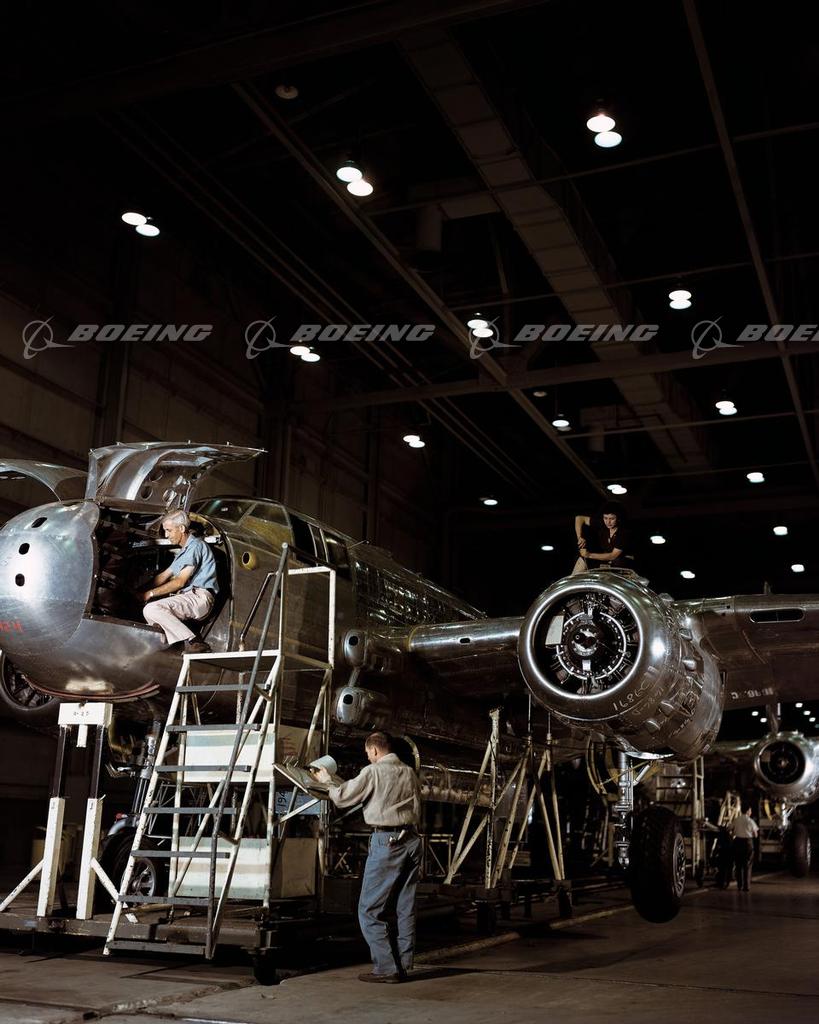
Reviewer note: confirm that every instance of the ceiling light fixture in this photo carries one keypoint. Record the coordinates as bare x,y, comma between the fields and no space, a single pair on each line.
608,140
806,712
755,714
417,444
687,574
361,188
547,547
617,489
755,477
798,704
134,219
286,92
310,357
539,394
679,298
149,230
763,720
561,422
781,531
409,438
489,502
299,350
477,323
349,171
601,122
797,567
729,411
657,538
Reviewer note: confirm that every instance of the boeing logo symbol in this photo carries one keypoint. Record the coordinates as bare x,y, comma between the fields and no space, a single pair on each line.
38,335
485,339
706,336
260,337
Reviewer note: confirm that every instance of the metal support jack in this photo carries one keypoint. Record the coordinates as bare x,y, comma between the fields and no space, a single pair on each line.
82,717
501,851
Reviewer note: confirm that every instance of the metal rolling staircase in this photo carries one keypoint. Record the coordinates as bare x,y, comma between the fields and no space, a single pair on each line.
258,713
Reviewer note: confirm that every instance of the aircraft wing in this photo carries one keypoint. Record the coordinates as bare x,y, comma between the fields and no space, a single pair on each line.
476,658
766,644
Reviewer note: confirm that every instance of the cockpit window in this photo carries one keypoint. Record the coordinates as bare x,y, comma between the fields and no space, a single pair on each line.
270,521
337,554
230,509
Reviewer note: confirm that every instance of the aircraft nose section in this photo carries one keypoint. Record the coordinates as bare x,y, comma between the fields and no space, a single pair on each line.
46,573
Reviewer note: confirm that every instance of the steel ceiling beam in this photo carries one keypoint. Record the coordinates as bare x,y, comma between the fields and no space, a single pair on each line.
576,373
277,127
257,53
588,172
718,115
215,201
675,275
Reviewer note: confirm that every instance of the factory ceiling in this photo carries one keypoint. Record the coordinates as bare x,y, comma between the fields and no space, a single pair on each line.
490,197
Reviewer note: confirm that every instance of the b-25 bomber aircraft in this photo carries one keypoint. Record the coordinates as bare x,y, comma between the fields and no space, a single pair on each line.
601,652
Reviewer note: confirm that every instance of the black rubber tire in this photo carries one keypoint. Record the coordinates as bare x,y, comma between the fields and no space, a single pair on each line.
21,701
657,864
150,874
797,849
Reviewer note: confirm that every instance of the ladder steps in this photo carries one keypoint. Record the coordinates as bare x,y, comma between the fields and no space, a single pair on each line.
153,947
180,854
212,726
259,686
155,809
169,901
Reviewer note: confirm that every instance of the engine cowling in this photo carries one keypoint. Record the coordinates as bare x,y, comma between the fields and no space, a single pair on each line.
786,765
603,651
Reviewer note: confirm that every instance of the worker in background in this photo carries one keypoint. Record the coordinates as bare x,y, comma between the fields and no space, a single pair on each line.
603,543
745,830
391,796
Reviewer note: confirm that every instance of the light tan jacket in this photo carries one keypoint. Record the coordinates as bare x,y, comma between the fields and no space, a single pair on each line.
388,789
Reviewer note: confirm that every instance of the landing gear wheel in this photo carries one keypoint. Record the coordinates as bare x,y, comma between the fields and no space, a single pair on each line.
148,877
657,864
797,850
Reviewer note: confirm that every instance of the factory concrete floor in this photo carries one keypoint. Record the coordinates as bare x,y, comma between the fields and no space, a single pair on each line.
728,957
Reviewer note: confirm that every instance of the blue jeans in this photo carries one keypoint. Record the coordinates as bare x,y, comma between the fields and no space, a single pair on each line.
387,890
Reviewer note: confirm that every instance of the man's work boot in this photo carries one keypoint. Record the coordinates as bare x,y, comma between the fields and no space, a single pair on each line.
196,646
382,979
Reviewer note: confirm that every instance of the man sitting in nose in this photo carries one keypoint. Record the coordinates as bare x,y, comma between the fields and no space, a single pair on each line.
186,589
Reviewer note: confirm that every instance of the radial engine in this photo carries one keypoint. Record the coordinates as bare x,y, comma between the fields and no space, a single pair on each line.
603,651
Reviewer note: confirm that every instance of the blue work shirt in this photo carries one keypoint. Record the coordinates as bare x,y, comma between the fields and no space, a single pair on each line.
196,553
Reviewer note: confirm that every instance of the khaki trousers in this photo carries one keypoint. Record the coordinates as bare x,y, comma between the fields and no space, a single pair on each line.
168,612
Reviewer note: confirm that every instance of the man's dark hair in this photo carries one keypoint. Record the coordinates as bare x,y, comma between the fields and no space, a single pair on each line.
379,740
613,508
747,810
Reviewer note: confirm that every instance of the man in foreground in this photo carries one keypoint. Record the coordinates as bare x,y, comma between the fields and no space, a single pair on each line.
391,796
